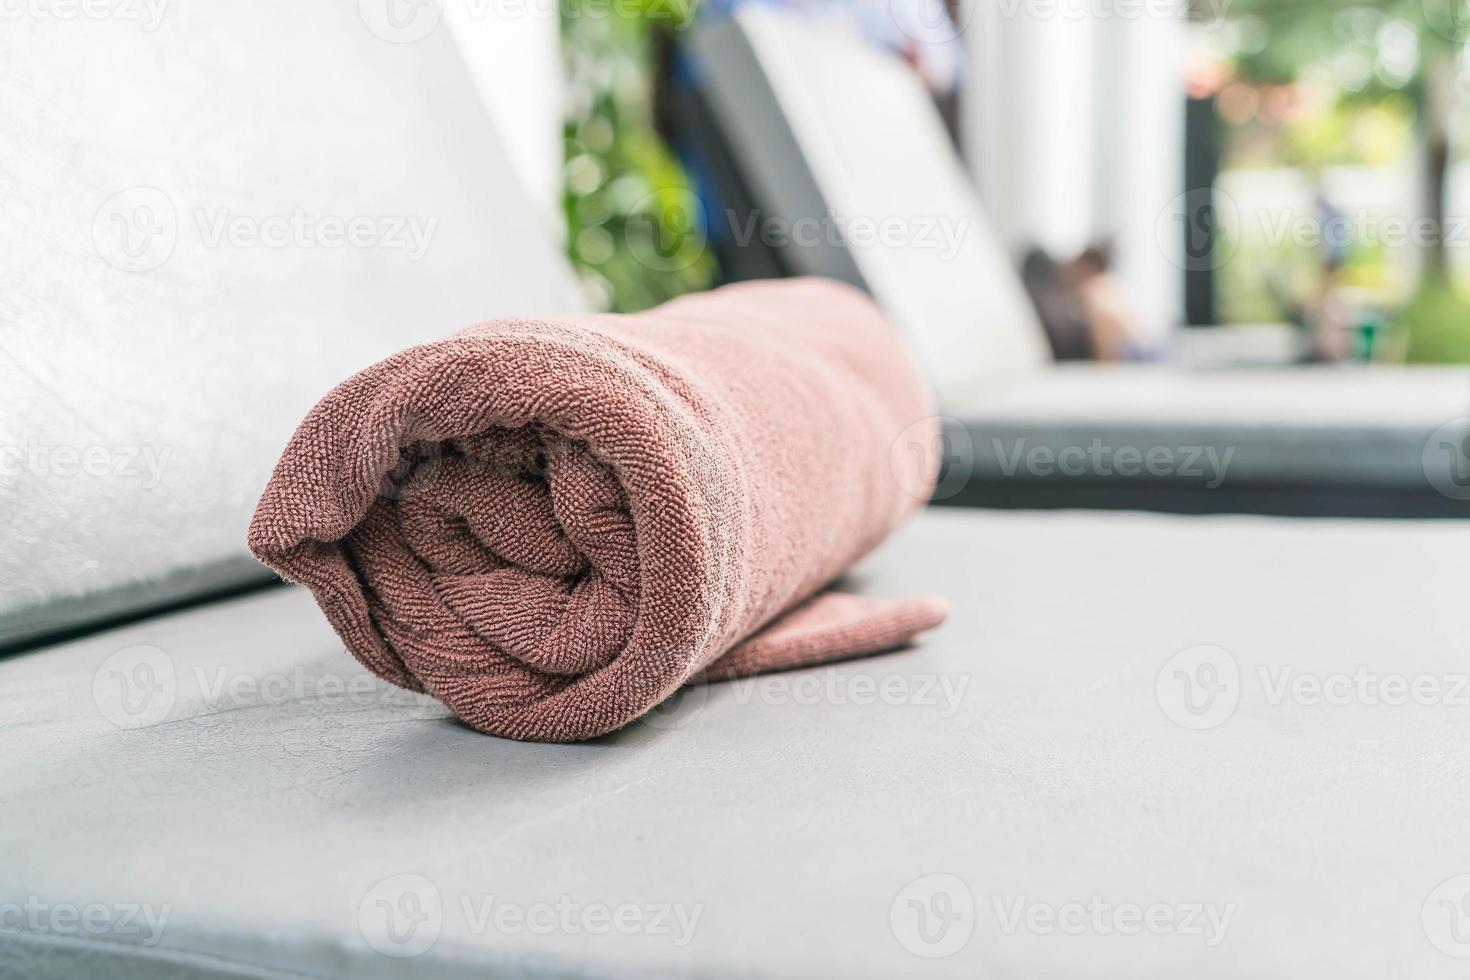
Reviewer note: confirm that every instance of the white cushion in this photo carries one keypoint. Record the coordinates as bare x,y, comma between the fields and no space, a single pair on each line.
1034,750
845,152
1384,426
322,197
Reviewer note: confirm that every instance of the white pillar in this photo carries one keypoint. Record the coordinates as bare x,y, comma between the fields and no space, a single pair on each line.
1140,143
1027,120
1073,125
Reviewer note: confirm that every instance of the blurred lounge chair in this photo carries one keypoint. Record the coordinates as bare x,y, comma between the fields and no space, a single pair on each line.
829,130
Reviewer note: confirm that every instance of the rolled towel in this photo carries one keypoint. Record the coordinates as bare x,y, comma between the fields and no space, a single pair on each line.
552,524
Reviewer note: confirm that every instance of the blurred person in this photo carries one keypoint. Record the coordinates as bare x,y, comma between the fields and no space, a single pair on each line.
1332,316
1083,306
1325,311
1111,324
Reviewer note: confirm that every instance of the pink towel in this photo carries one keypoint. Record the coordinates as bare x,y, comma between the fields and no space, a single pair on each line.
552,524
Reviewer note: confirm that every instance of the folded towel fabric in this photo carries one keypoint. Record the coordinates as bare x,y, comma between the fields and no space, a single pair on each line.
550,525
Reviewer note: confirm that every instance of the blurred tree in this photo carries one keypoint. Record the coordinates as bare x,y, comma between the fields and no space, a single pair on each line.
634,229
1299,33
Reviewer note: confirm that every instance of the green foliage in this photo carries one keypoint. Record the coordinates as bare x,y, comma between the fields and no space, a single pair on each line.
634,230
1374,133
1368,82
1289,34
1436,325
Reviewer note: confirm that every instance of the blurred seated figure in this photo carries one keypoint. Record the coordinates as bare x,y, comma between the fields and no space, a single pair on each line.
1332,317
1082,306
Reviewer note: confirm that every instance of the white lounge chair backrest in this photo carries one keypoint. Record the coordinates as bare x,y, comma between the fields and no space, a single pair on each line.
207,221
832,132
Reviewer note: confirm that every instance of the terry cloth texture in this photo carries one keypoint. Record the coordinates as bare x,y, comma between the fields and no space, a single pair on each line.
552,524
